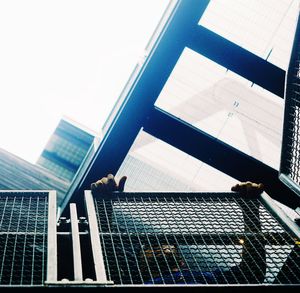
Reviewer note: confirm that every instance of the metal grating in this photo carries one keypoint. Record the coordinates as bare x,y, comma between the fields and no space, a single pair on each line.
23,238
194,238
290,153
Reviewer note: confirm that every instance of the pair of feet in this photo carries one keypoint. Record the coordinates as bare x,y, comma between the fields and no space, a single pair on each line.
109,184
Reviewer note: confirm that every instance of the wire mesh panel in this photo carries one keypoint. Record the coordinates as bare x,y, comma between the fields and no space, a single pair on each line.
23,238
290,152
194,238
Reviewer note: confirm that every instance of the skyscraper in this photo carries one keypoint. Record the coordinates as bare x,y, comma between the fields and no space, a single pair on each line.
66,149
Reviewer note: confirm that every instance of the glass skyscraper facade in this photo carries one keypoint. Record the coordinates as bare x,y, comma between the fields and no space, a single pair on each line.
66,150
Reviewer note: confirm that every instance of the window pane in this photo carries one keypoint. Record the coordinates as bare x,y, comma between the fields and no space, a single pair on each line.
226,106
153,165
264,27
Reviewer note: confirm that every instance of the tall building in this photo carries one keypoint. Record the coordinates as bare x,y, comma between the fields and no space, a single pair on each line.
18,174
204,111
66,149
212,115
65,153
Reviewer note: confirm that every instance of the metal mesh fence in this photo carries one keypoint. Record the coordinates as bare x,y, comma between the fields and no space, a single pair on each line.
290,157
188,238
23,238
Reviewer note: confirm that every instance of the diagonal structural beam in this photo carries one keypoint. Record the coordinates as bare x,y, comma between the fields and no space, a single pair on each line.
217,154
237,59
139,96
136,101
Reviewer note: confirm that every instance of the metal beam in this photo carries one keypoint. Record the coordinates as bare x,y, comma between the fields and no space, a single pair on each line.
237,59
217,154
147,81
140,95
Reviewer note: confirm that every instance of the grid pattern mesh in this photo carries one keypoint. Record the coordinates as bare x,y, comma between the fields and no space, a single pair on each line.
211,238
23,238
290,164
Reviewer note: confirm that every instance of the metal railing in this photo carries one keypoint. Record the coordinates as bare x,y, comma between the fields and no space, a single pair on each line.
147,239
195,238
27,240
289,171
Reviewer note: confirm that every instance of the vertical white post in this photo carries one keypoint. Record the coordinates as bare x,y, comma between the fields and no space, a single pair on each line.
95,239
52,239
75,243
